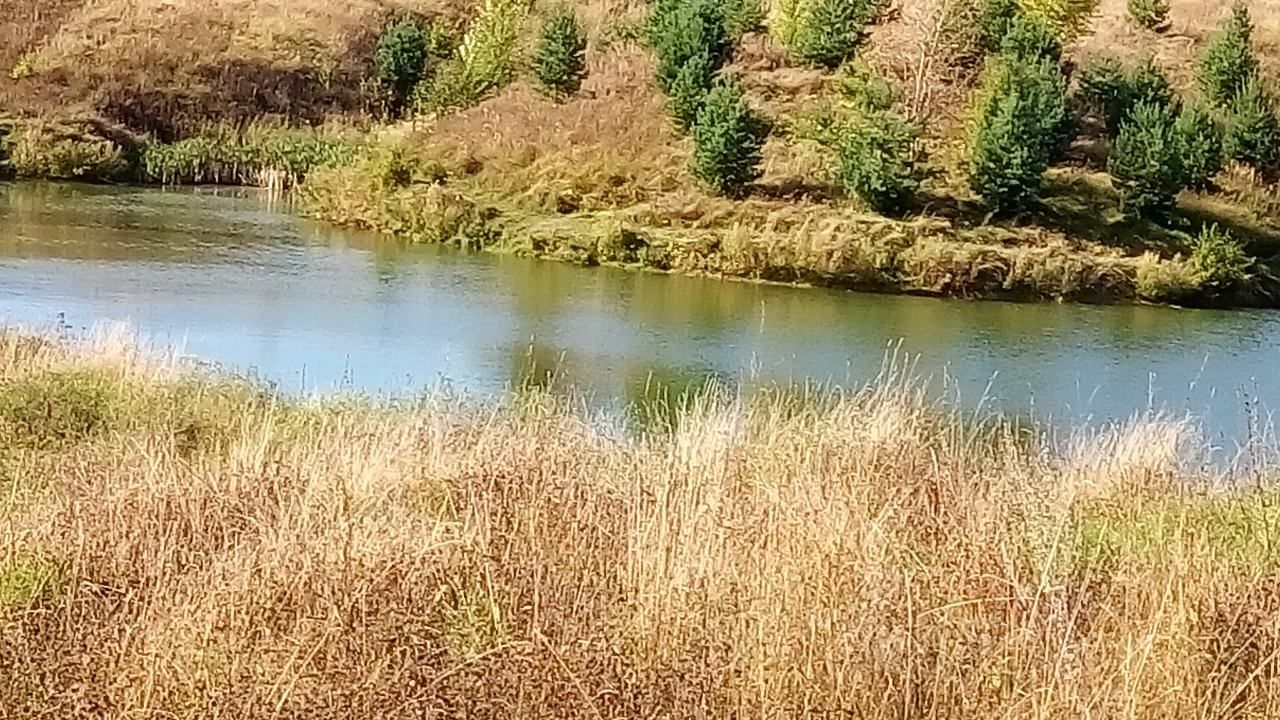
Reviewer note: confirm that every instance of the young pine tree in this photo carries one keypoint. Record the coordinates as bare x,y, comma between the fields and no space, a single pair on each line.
690,89
1029,40
560,61
728,137
1150,14
680,30
400,62
1253,131
1145,161
828,32
1018,130
1228,63
1199,138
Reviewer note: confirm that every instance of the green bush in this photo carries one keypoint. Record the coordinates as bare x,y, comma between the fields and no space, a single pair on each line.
1228,63
52,151
1253,132
1150,14
560,61
481,64
680,30
1028,39
1199,138
1018,127
742,16
690,88
876,153
1145,161
728,136
994,18
1067,19
1112,91
828,32
1220,262
401,62
56,409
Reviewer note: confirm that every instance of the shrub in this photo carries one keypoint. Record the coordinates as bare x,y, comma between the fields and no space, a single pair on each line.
1067,19
1145,161
994,19
690,88
482,63
828,32
876,157
1220,262
1253,132
1150,14
1228,63
1017,129
742,16
1199,139
46,150
680,30
400,61
559,64
1112,91
728,137
1028,39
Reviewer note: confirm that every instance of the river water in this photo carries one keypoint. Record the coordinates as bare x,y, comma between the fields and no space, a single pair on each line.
234,278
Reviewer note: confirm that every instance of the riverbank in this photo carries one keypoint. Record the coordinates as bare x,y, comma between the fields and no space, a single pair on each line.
182,544
795,241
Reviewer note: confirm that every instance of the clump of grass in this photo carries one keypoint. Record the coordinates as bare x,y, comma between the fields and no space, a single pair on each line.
265,157
25,581
57,409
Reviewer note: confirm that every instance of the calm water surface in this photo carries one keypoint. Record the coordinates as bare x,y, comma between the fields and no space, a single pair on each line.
238,280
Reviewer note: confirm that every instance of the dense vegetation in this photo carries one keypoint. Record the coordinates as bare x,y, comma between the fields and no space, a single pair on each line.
1071,174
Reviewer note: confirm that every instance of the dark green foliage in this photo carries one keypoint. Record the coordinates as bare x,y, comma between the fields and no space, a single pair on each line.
1253,132
1020,119
1145,161
55,409
876,156
861,88
828,32
742,16
1112,91
1228,63
1199,139
689,90
1150,14
680,30
995,17
560,61
1220,262
400,61
728,137
1029,40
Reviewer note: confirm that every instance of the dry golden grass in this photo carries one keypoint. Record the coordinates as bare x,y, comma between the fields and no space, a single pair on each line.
203,550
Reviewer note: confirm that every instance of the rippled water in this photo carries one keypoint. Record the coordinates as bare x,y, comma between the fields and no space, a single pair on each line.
238,280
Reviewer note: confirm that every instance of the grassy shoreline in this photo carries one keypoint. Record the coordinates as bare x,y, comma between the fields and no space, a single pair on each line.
815,244
175,543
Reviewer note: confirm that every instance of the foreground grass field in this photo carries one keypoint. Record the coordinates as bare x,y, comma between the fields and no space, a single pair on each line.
175,544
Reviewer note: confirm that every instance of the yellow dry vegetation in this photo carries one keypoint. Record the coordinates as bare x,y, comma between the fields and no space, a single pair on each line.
180,545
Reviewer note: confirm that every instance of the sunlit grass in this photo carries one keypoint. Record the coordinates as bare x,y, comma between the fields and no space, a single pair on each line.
218,551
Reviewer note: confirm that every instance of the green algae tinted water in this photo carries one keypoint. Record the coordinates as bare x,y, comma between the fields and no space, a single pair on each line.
232,277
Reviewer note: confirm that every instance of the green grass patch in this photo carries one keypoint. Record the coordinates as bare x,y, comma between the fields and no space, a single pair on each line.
57,409
1238,530
25,581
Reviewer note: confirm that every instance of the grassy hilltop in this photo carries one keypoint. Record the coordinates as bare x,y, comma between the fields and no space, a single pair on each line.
479,154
